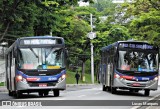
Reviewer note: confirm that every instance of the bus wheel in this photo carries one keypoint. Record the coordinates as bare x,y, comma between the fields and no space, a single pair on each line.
18,94
109,88
10,93
131,90
46,93
40,94
104,88
113,90
147,92
136,90
56,93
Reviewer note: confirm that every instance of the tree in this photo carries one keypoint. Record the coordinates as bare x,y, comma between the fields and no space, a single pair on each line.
147,27
25,14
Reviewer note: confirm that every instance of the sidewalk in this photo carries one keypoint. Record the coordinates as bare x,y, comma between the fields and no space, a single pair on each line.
71,85
3,89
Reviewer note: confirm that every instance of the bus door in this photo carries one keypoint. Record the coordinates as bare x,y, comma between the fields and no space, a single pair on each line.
104,74
12,76
8,80
108,75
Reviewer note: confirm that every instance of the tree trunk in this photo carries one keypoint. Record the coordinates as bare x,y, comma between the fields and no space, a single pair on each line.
5,31
83,71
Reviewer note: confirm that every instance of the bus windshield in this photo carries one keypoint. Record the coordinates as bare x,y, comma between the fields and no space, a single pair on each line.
138,61
40,58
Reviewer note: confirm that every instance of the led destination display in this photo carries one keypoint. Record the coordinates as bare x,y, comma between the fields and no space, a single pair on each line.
137,46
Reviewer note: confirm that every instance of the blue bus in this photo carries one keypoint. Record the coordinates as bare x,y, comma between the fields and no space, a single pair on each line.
131,65
36,64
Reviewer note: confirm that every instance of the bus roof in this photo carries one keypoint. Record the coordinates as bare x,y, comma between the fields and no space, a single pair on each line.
17,42
54,40
41,37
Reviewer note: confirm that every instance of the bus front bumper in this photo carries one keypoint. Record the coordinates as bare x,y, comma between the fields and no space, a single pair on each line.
123,83
26,86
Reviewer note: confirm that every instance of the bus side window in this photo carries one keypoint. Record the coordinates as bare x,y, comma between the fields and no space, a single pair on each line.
13,59
10,62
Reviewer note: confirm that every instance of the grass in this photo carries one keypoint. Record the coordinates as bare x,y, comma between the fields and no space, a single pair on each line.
1,83
72,80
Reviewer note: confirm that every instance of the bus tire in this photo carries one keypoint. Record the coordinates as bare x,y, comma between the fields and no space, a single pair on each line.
10,93
104,88
40,94
113,90
136,91
147,92
46,93
18,94
109,88
56,93
131,90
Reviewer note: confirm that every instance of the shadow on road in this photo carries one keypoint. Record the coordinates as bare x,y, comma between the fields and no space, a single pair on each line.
33,95
128,93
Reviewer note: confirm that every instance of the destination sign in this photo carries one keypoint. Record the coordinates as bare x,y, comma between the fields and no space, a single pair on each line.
40,41
137,46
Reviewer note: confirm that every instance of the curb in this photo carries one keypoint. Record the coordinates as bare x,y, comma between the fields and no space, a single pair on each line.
3,89
72,85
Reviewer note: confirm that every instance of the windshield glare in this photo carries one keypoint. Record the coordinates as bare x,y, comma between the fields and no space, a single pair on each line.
41,58
138,61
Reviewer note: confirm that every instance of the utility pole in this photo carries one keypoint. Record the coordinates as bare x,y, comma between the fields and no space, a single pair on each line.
51,33
92,60
92,35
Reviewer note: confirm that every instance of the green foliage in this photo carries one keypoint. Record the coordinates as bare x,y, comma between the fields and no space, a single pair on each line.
2,83
105,7
118,33
147,27
143,19
21,18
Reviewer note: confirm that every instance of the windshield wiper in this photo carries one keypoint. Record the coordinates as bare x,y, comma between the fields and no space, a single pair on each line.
49,52
34,52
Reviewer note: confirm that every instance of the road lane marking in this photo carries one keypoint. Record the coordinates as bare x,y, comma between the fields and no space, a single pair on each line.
81,95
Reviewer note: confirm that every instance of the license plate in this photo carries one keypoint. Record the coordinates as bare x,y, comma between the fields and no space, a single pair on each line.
136,84
43,85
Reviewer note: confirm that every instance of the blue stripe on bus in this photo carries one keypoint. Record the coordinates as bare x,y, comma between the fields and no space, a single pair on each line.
43,78
140,78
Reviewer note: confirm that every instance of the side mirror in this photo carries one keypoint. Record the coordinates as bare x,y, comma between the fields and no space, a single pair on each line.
66,52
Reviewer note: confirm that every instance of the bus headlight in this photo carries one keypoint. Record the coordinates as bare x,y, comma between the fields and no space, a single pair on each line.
19,78
61,78
156,78
116,76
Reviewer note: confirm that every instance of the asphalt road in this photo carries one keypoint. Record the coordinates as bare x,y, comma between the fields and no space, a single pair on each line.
75,97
